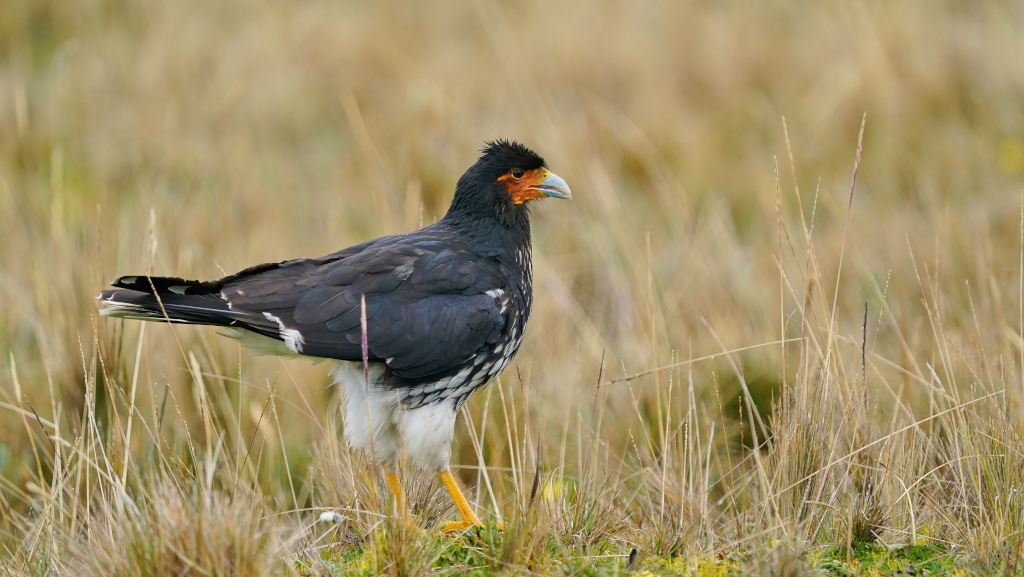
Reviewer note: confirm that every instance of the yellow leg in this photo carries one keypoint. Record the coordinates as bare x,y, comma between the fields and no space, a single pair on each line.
469,518
396,489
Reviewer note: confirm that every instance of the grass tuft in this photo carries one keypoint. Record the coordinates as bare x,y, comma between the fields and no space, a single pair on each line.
744,358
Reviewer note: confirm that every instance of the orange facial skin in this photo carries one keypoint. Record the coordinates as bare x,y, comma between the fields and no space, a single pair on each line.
525,187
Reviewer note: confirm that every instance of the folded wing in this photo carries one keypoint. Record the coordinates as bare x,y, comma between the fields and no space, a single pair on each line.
427,304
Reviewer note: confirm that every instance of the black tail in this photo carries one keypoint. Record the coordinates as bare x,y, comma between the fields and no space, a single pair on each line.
168,299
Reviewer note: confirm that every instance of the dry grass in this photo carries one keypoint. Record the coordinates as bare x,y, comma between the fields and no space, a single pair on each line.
791,430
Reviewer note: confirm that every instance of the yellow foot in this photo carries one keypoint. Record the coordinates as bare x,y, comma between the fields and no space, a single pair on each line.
469,518
459,526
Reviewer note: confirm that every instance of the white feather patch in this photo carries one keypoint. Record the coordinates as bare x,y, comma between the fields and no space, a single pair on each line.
375,420
427,432
371,420
291,337
261,346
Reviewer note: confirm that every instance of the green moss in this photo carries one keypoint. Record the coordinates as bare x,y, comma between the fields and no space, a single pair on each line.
337,562
876,559
468,555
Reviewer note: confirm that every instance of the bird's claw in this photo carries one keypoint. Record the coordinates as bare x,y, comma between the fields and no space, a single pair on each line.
461,526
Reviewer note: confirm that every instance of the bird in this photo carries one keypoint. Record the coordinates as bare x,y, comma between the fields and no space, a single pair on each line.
415,322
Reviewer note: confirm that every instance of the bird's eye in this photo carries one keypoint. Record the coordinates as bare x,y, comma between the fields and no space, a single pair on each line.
517,173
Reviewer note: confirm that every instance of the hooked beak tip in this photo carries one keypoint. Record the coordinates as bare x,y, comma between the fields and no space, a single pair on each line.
554,187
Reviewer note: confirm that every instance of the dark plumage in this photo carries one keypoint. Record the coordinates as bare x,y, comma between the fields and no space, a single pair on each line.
446,305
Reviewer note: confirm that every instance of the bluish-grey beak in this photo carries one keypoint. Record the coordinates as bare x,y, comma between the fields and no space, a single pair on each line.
554,187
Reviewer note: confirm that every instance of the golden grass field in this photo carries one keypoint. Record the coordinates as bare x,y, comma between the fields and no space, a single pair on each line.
844,391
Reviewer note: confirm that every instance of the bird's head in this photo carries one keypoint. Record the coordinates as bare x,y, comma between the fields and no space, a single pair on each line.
501,183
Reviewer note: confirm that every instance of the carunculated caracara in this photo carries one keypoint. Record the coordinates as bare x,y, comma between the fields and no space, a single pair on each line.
444,306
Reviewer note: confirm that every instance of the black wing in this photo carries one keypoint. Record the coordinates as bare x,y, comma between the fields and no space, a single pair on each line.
427,303
427,306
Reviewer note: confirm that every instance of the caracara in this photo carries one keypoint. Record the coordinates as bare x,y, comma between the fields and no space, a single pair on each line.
444,307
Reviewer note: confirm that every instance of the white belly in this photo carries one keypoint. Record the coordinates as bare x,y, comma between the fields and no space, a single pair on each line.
424,434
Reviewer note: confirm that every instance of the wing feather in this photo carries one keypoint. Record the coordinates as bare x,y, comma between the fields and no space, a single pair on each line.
426,307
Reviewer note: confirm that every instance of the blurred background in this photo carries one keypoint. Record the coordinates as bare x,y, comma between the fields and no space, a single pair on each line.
195,138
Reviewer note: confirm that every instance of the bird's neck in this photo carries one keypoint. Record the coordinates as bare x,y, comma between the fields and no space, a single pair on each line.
495,235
